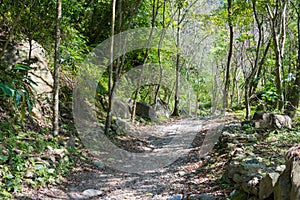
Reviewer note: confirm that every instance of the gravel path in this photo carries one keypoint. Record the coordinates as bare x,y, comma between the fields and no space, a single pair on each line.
186,175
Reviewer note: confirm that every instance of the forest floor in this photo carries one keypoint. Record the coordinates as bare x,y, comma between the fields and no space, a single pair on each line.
198,169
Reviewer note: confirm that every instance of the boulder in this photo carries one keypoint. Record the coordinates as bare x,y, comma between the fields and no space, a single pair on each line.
18,52
288,184
145,111
120,108
40,73
281,121
161,108
267,184
265,120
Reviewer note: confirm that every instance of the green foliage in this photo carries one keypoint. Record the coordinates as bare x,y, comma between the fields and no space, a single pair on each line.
16,88
73,50
29,158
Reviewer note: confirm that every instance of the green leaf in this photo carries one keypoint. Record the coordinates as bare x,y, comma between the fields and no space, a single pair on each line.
21,67
7,89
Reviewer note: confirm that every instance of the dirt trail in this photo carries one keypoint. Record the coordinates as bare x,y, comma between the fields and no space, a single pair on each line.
180,175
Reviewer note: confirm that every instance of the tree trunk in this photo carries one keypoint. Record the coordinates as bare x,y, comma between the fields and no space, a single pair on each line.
294,93
260,68
247,103
227,75
159,54
56,72
234,84
278,29
111,67
177,81
154,15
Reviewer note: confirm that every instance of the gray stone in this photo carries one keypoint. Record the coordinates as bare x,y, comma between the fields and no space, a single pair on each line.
92,193
17,53
181,173
201,197
281,121
251,187
99,164
146,111
295,179
120,108
161,108
280,168
122,124
266,120
283,186
288,184
77,196
176,197
237,178
238,195
40,73
267,184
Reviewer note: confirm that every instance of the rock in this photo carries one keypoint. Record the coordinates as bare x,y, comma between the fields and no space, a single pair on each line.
122,124
18,53
40,74
251,186
145,111
120,108
206,157
201,197
99,164
238,195
237,178
262,120
283,186
266,120
295,176
288,184
176,197
267,184
92,193
161,108
181,173
281,121
77,196
280,168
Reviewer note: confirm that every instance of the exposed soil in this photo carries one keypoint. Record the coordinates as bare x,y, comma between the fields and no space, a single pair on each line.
198,169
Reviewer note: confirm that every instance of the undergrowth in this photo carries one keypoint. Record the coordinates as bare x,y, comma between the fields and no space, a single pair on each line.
32,158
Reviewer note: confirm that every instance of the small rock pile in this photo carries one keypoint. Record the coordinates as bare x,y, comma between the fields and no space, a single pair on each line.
250,169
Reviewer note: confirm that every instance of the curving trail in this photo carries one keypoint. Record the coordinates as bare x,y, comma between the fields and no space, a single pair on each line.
176,156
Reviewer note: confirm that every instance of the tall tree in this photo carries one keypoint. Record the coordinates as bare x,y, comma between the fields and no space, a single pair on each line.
110,79
178,66
56,72
116,67
155,8
293,97
278,21
227,75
